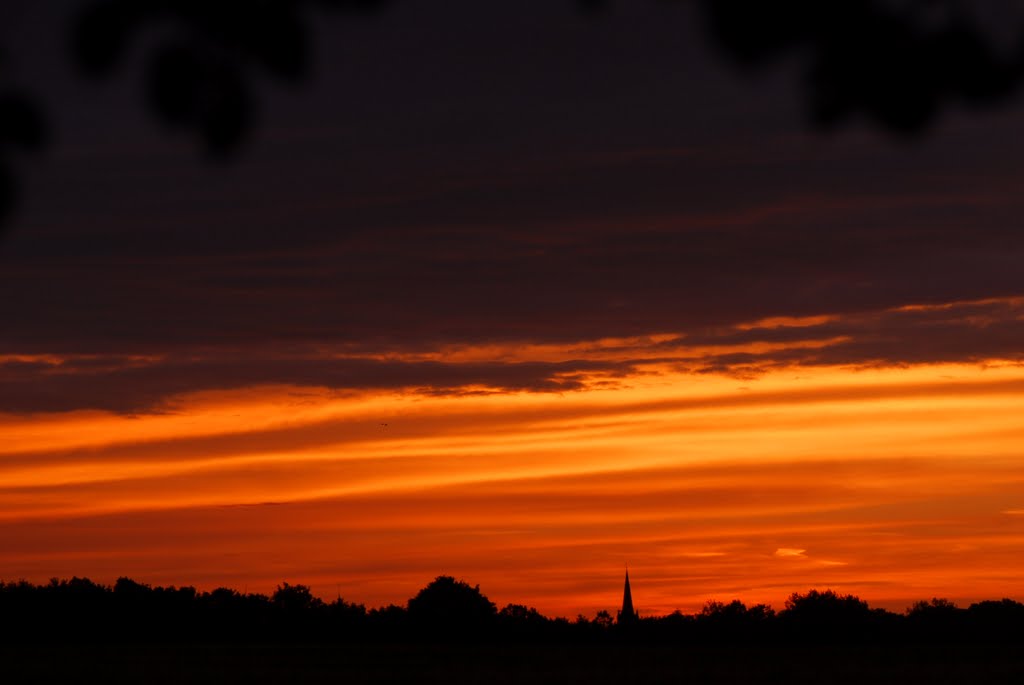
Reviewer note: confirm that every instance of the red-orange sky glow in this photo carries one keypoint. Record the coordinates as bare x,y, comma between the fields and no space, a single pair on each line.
519,294
891,483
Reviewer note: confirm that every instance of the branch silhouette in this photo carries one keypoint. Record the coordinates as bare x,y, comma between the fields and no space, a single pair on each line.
898,64
22,129
199,77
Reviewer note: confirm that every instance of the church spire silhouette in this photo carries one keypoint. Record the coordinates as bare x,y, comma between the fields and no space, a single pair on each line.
628,614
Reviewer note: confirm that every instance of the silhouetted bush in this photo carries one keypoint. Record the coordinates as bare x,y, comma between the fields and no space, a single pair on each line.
449,608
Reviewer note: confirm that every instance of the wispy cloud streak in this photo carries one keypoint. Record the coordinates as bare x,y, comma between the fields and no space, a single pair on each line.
893,483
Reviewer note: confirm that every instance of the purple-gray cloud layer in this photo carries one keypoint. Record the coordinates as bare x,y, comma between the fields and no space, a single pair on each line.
499,174
967,332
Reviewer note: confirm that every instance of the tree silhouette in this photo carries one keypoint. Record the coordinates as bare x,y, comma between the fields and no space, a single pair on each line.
520,622
826,616
996,620
448,607
937,619
734,622
295,598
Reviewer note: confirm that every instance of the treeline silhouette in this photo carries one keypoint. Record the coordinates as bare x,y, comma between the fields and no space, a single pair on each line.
449,610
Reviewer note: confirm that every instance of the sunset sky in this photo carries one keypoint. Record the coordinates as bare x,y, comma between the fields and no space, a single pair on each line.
520,294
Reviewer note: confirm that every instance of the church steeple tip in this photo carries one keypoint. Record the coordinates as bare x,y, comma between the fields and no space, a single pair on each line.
628,614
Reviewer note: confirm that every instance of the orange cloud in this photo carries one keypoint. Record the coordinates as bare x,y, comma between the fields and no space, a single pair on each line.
893,484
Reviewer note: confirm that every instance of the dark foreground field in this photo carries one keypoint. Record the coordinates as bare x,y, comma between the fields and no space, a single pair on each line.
509,664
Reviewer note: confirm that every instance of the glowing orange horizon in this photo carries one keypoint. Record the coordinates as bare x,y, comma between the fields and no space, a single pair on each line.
892,484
